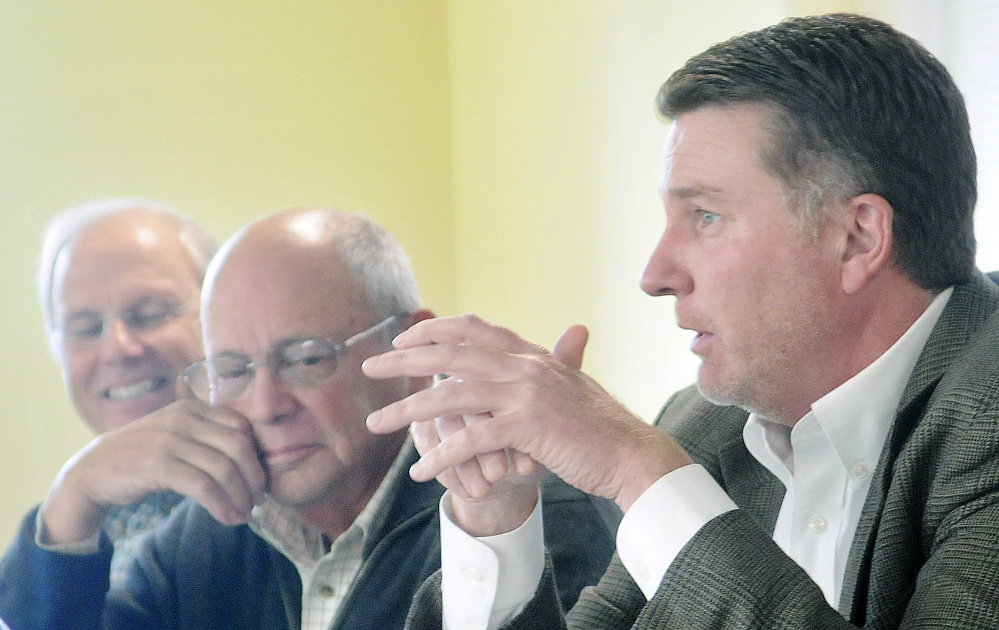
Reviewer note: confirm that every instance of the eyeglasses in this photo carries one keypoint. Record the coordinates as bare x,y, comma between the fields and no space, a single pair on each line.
146,315
304,362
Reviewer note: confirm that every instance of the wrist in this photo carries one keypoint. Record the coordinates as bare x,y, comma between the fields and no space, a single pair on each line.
68,518
498,513
657,456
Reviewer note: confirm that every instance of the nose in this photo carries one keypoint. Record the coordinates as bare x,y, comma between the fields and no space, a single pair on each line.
665,272
267,398
119,340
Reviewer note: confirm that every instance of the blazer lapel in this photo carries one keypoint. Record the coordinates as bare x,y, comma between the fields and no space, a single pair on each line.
969,306
750,484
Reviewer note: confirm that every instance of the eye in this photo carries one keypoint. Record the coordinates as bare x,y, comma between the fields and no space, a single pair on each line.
150,313
84,327
307,352
706,217
307,361
228,367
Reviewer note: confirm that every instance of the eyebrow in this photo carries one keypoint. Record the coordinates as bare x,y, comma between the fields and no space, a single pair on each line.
81,315
690,192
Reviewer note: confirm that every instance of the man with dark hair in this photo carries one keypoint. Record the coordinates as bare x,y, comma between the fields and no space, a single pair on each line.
304,518
837,465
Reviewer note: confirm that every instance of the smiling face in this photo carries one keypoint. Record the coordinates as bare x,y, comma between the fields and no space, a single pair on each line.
124,301
313,439
763,298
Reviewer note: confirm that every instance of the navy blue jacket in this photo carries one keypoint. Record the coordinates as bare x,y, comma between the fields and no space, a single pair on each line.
195,573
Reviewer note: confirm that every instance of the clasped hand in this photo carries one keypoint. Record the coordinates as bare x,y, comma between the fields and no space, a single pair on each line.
510,402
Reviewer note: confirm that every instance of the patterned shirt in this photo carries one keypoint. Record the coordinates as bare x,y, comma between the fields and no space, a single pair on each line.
327,577
126,524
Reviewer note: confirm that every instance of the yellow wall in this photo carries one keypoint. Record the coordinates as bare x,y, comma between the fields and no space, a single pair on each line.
512,146
229,110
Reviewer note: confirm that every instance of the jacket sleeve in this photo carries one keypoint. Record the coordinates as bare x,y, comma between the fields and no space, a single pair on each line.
43,589
579,536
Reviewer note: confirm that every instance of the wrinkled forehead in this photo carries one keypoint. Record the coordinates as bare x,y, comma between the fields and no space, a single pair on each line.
256,298
119,261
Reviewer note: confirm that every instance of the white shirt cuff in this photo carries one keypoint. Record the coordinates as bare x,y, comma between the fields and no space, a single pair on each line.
664,519
487,581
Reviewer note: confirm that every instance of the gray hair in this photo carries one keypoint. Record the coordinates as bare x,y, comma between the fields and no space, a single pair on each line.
376,259
69,223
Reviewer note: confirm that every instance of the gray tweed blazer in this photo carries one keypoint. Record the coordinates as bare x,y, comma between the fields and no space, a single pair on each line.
926,552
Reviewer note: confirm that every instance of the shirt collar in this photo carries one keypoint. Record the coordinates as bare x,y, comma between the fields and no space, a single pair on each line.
857,415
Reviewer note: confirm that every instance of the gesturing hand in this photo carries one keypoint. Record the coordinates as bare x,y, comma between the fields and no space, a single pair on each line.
513,395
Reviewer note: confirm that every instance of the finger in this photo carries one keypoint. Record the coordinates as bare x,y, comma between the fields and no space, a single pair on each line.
228,475
495,465
466,444
222,499
452,397
465,361
485,468
232,436
425,435
570,345
465,480
463,329
522,463
470,473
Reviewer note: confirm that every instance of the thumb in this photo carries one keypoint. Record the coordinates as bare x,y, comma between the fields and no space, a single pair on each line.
570,345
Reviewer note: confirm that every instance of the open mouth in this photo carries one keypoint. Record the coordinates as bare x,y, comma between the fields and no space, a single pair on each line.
135,390
697,343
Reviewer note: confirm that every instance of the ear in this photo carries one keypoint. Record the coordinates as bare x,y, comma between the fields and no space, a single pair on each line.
868,240
420,314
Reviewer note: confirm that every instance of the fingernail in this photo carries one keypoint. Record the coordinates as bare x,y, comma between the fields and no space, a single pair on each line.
414,472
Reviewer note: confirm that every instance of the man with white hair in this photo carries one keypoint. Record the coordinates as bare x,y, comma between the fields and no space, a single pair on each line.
303,518
119,282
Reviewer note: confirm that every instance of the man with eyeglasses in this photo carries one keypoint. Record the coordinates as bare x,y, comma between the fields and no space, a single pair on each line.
119,282
304,518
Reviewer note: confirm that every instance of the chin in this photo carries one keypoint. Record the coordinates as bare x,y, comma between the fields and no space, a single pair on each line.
298,495
719,393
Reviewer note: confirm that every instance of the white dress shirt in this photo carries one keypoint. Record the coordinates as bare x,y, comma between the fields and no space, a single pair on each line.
825,462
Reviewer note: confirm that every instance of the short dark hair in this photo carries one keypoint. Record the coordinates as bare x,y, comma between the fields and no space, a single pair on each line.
857,107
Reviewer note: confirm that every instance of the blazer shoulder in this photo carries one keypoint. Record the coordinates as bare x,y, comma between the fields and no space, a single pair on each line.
694,421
